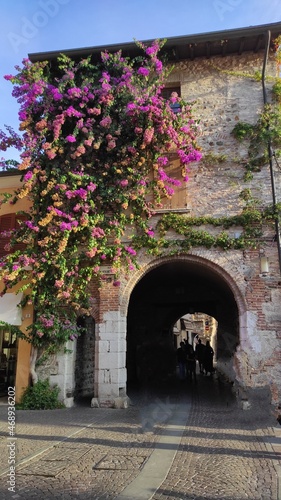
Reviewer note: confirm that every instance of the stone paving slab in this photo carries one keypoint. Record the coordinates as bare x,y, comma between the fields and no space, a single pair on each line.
223,452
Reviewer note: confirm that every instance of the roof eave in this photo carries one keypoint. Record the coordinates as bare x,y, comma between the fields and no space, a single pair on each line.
250,34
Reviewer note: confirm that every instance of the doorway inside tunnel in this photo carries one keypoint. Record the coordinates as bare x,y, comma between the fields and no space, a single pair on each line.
178,299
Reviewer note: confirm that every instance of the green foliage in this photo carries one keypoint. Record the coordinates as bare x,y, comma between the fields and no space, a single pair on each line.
264,136
212,158
273,213
257,76
40,396
250,219
277,48
276,90
242,131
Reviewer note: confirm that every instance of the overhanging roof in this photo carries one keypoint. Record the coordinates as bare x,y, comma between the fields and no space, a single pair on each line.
222,43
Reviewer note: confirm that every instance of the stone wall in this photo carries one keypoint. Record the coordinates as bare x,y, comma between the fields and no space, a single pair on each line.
85,359
221,100
252,352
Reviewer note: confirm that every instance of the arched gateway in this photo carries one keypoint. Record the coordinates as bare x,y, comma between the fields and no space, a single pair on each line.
164,294
150,301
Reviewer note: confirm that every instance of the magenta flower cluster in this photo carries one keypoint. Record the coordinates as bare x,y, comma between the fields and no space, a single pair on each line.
91,133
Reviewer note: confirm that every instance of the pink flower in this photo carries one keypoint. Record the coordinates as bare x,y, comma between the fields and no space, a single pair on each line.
131,106
150,51
91,187
162,160
65,226
71,138
132,150
148,135
72,112
124,182
88,142
111,144
74,92
91,253
143,71
130,250
138,130
56,95
22,115
170,191
97,232
51,154
80,150
94,111
28,176
30,225
105,122
158,66
59,283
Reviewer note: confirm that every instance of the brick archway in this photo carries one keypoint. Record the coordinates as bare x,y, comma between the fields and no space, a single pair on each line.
227,305
236,284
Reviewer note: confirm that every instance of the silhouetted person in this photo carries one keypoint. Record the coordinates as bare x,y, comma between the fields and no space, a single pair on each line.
208,358
199,351
190,362
181,359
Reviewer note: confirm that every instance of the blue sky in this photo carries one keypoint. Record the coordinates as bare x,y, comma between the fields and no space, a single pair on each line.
29,26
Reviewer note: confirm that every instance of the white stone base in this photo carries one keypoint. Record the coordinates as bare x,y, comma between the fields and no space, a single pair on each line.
95,403
118,403
68,402
245,405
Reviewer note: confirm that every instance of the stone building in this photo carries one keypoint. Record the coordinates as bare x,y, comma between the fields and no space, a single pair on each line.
130,333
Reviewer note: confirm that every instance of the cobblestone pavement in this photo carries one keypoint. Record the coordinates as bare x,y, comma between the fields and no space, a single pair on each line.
225,452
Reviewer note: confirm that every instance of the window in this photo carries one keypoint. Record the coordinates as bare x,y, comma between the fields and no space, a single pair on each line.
166,94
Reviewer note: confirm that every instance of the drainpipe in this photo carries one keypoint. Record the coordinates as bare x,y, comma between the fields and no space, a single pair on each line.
271,153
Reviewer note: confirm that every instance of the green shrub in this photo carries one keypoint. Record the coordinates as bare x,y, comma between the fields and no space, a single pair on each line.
40,396
276,90
242,131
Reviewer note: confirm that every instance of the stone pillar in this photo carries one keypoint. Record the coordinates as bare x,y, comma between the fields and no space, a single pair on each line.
110,362
63,374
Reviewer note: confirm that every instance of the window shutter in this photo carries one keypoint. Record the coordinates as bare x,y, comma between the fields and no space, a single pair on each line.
18,222
179,198
7,223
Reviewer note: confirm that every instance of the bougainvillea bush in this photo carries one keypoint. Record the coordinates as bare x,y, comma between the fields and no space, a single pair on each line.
94,144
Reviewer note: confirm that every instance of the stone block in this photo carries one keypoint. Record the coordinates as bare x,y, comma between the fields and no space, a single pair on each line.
121,402
68,402
108,360
95,403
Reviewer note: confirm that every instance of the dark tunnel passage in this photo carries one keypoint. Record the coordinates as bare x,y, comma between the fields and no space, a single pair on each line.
159,299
